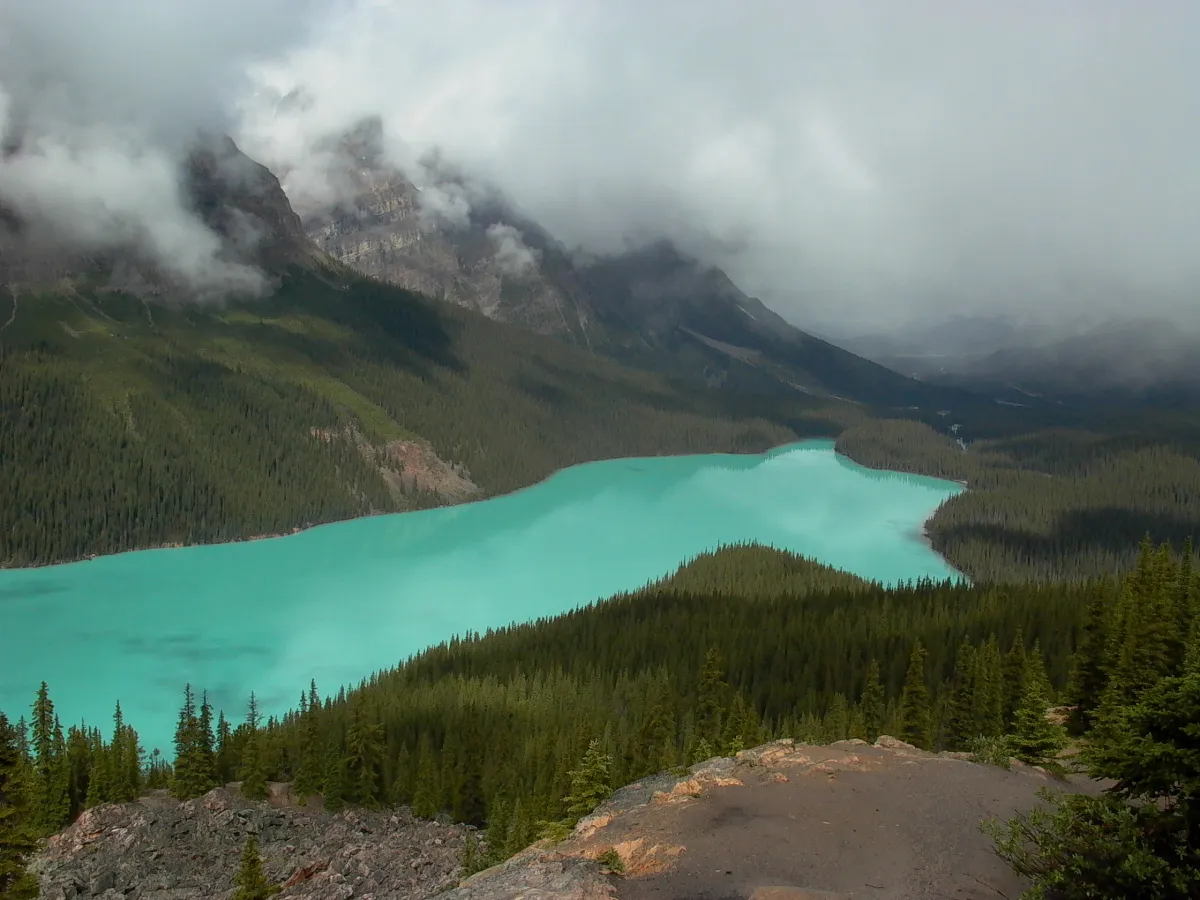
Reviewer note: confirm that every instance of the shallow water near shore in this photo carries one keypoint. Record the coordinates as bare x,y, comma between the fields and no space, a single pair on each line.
341,601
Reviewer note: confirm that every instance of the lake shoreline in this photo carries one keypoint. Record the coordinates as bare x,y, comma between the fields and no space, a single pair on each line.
299,529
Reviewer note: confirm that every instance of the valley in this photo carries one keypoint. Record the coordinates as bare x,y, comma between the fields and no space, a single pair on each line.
556,427
339,602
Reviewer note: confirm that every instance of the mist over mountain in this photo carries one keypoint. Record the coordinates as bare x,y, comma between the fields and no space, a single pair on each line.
856,168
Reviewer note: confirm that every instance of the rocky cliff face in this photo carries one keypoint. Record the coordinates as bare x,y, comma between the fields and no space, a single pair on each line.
384,228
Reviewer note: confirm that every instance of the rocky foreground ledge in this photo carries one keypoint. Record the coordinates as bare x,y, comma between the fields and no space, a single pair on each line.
160,849
782,821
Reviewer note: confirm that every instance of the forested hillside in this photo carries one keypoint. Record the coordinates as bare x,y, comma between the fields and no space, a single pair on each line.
129,423
1050,503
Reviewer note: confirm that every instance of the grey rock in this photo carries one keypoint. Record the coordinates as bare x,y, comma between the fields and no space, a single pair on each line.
158,849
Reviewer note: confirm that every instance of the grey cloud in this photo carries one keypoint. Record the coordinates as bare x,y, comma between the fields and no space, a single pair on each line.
856,164
100,104
861,162
512,255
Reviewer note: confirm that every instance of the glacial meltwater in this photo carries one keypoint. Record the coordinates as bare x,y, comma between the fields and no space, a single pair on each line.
338,602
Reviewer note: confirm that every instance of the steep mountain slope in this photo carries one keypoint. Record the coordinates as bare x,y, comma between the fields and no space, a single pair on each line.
135,415
653,307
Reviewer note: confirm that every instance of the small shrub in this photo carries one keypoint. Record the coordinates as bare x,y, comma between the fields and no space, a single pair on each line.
610,860
991,751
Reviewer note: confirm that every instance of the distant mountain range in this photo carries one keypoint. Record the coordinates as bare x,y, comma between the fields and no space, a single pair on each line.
1135,360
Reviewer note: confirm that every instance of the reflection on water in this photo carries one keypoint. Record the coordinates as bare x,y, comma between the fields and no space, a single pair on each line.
338,602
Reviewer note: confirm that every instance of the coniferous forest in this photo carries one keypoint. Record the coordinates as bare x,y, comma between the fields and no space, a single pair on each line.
128,423
522,730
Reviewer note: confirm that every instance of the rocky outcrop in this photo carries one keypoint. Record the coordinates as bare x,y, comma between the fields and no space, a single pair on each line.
159,849
409,466
785,821
435,241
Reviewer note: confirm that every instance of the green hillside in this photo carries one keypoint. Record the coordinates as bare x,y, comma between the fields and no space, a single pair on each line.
131,424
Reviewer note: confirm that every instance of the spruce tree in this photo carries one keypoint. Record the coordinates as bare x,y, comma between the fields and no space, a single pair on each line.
711,694
988,700
251,879
872,703
1088,671
1014,674
837,719
252,772
17,841
497,830
1035,739
224,769
364,749
188,777
916,724
960,717
51,774
589,781
206,757
427,796
308,769
333,784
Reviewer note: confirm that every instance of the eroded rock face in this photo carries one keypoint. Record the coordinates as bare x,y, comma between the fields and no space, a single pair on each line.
387,231
158,849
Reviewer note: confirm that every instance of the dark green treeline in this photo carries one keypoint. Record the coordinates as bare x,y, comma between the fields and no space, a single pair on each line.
1060,503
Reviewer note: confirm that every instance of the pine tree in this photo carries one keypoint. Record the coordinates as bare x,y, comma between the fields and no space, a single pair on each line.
252,772
837,719
872,704
988,701
1035,739
251,879
224,768
187,779
497,830
333,784
123,782
17,842
364,745
205,742
1014,674
401,790
51,775
1088,670
589,781
915,719
427,795
471,861
711,693
960,718
308,770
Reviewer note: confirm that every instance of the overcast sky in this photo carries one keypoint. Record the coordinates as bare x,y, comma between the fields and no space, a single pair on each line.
859,163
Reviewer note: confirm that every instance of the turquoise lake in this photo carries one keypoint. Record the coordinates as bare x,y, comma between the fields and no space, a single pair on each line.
338,602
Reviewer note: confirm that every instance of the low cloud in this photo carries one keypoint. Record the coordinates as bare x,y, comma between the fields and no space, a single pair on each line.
857,165
100,107
513,257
